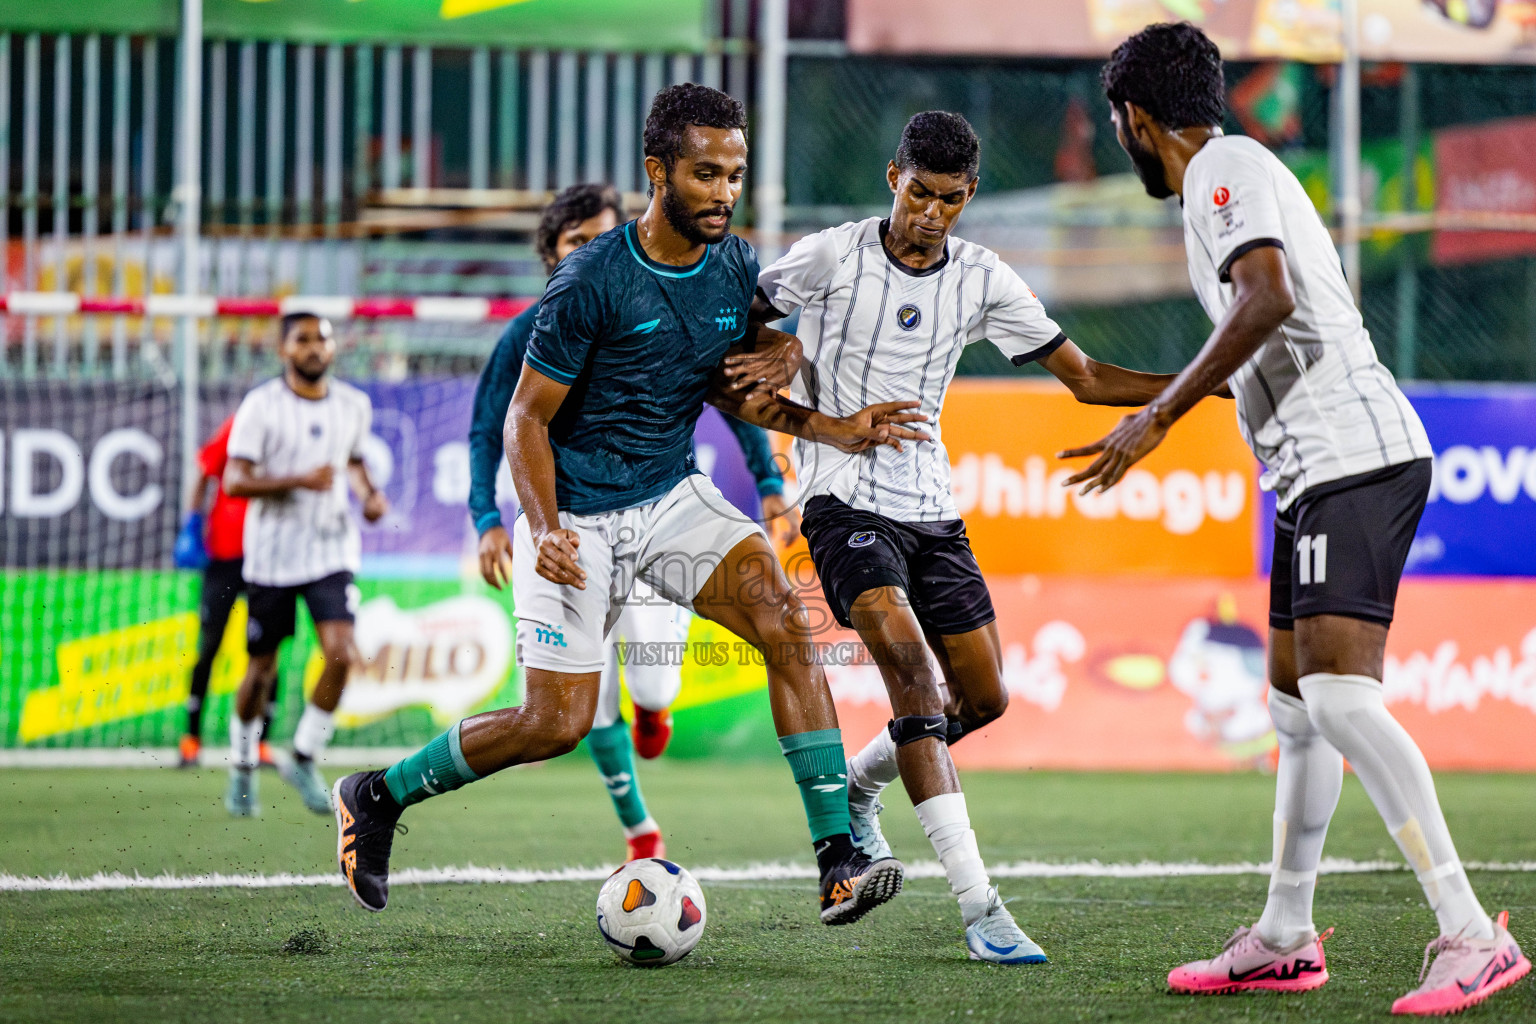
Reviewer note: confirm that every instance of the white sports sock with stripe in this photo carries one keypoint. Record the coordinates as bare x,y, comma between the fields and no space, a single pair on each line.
1351,713
1307,786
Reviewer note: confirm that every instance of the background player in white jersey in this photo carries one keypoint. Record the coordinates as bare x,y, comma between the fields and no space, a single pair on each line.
1350,464
887,306
296,443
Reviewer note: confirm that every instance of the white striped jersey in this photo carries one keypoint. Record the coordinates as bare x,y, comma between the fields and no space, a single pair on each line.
303,535
1314,403
875,330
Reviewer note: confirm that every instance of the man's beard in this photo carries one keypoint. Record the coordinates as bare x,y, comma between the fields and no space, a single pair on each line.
311,376
1148,168
686,223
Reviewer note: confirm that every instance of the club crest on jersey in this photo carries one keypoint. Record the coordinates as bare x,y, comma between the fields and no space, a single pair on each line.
862,539
315,430
726,321
1222,197
909,316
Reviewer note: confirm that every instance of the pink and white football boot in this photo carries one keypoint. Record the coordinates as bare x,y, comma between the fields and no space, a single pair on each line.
1465,972
1248,962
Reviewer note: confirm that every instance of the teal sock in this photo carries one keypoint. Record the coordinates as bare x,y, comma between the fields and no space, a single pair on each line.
820,770
614,754
435,769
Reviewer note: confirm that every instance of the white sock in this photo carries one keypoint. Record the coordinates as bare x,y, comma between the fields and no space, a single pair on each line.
315,729
874,767
243,740
947,825
1307,786
1350,711
648,825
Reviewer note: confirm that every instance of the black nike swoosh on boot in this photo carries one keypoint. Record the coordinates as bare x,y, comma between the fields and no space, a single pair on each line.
1492,970
1270,970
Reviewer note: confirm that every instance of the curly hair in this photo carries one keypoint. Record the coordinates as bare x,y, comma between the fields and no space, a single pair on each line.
678,106
571,207
940,142
1173,72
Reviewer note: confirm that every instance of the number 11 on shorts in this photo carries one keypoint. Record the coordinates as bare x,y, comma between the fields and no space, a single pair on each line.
1313,559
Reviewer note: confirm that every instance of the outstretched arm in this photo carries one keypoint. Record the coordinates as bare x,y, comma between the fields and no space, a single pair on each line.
1263,300
868,428
526,437
1094,383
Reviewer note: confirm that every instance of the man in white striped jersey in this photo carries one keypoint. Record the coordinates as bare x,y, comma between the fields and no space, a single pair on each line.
296,443
1350,464
887,306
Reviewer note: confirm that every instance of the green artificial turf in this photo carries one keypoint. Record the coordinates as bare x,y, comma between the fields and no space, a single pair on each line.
531,952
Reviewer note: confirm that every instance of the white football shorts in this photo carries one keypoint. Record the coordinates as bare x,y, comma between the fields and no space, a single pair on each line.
673,544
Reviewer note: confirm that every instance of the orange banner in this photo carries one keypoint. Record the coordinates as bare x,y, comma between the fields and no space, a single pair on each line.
1141,675
1188,508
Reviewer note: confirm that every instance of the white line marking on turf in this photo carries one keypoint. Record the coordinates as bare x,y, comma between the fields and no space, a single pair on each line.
750,873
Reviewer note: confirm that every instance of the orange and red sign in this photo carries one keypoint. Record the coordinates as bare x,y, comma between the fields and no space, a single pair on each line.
1150,675
1188,508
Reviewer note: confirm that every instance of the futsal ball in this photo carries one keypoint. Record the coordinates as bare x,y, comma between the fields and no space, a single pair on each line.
651,912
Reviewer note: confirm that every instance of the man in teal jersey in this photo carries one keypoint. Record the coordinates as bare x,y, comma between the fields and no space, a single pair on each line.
628,343
573,218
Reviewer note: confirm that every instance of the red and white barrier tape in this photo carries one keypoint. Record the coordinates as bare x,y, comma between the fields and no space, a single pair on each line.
454,309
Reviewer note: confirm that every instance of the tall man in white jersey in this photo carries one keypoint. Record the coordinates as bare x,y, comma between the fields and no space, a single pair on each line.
1349,462
887,306
296,443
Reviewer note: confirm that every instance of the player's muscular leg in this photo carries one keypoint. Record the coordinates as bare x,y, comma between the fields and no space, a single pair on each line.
340,654
556,713
256,687
884,620
973,669
1339,645
748,594
1282,662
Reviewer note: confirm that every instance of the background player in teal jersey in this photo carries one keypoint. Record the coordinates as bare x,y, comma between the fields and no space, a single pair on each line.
628,343
576,216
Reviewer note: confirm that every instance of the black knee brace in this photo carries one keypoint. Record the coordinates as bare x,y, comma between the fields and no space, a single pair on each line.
956,731
911,728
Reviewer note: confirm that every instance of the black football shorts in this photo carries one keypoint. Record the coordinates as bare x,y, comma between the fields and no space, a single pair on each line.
273,610
1341,547
855,551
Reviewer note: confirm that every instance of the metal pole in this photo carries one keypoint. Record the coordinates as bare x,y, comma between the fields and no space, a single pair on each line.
121,71
565,122
596,156
90,188
772,78
1347,137
480,118
61,131
538,121
1407,268
188,207
421,117
30,145
390,163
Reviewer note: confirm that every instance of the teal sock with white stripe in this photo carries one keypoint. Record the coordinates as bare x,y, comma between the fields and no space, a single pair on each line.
614,755
435,769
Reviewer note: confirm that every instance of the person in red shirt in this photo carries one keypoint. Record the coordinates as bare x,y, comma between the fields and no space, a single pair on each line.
222,538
